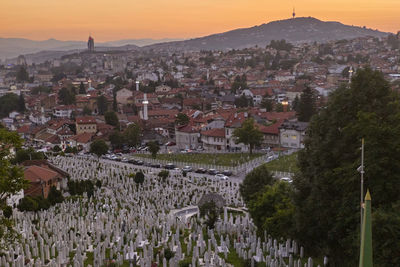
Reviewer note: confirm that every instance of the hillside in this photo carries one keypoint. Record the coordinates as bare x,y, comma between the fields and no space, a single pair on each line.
296,30
13,47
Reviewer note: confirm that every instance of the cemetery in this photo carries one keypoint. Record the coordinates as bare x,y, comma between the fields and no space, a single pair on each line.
150,222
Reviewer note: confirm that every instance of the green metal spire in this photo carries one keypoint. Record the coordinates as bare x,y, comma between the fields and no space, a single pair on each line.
366,235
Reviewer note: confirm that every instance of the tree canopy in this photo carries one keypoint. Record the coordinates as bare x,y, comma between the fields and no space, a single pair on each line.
22,74
111,118
82,89
306,106
101,104
132,135
248,134
11,180
153,148
8,103
327,195
254,182
66,96
98,147
182,119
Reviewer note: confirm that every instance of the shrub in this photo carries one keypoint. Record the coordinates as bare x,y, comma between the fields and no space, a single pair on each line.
163,174
7,212
139,178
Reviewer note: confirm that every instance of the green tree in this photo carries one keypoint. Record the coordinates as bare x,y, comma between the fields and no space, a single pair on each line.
86,111
248,134
21,103
327,195
163,175
272,210
8,103
182,119
98,147
139,178
55,196
254,182
243,102
117,139
40,89
11,181
267,103
168,253
22,75
66,96
82,90
240,83
279,107
153,148
101,104
132,134
307,105
27,154
211,211
111,118
295,103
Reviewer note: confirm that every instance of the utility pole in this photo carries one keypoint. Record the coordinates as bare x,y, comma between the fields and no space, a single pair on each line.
361,170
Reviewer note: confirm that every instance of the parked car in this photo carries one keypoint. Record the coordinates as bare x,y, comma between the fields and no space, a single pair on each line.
286,179
139,162
169,166
201,170
132,161
124,159
227,173
212,171
187,169
221,176
170,143
156,165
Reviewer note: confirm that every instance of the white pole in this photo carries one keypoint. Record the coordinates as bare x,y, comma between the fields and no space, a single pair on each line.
362,181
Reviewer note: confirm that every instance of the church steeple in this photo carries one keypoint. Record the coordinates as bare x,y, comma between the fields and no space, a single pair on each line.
294,13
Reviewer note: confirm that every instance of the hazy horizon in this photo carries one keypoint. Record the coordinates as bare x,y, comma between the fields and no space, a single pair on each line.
177,19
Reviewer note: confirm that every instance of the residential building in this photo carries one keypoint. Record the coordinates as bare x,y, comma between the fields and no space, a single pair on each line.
292,133
187,137
86,125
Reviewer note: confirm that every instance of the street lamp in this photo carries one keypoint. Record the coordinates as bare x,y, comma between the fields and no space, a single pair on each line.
285,104
361,171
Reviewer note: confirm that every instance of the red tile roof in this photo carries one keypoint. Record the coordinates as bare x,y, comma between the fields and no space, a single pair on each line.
85,120
82,138
35,174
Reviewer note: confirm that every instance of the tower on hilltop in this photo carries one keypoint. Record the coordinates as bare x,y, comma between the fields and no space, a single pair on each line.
90,44
294,13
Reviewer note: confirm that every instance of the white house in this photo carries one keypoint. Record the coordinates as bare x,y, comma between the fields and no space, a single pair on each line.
292,133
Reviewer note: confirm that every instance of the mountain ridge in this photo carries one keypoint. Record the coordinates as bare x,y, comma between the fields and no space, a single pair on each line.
297,30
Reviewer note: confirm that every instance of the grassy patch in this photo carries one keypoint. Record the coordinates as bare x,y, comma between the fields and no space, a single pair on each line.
284,164
223,159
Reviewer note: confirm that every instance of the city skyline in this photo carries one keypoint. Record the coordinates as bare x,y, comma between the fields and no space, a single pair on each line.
107,21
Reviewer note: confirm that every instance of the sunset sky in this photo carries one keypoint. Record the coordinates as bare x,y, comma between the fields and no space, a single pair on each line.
110,20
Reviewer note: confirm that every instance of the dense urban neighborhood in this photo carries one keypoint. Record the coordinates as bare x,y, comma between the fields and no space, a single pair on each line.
63,102
236,157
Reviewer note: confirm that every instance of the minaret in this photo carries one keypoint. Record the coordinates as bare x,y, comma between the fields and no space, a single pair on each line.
294,13
145,103
144,115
